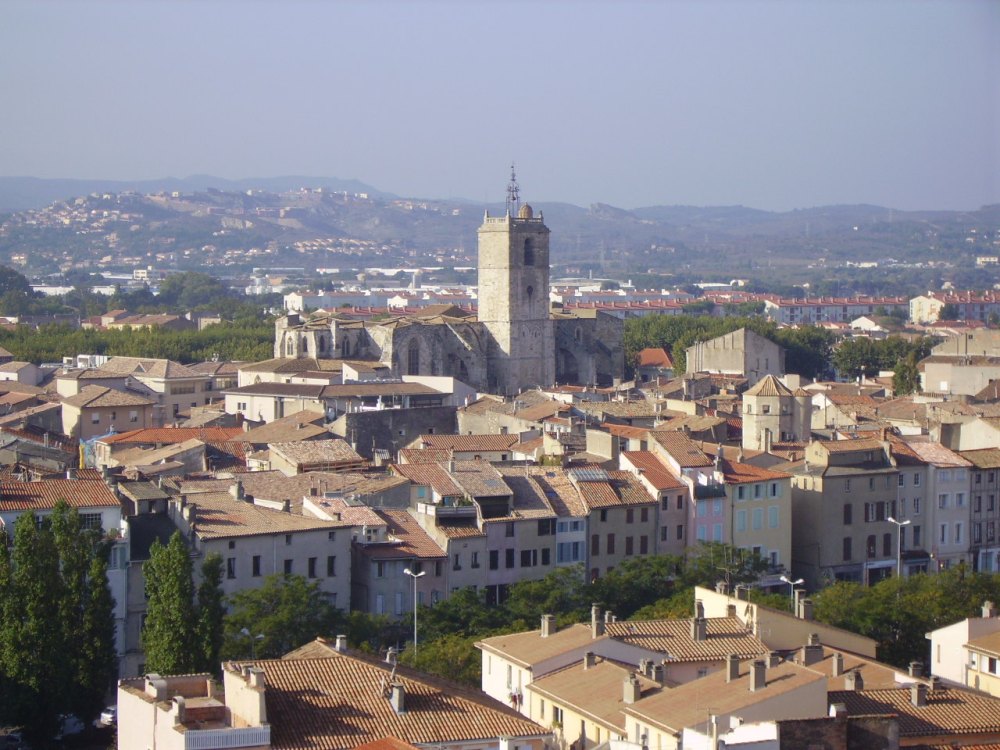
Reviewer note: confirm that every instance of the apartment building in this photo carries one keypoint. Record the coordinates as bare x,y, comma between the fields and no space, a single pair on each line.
985,511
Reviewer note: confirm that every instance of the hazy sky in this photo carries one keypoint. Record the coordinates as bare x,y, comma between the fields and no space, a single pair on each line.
774,105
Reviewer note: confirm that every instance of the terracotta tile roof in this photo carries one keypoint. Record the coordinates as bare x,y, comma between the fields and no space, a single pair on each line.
275,486
334,451
528,648
529,498
874,674
688,704
338,508
173,435
744,473
621,488
151,368
539,412
302,425
989,643
378,389
654,470
682,449
408,539
423,455
386,743
83,492
937,454
846,446
654,357
986,458
726,635
949,711
559,491
595,691
460,532
625,430
283,365
468,443
139,456
621,409
430,475
479,479
219,515
338,702
96,396
769,386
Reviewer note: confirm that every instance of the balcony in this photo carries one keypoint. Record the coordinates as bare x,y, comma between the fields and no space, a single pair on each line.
220,739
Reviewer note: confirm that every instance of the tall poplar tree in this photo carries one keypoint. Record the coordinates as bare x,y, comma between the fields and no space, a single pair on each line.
168,636
211,611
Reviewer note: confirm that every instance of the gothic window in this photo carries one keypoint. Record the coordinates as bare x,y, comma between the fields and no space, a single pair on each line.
321,345
305,345
529,252
530,291
413,358
290,346
345,347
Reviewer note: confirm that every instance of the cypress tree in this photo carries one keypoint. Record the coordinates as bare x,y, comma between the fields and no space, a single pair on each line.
211,611
169,633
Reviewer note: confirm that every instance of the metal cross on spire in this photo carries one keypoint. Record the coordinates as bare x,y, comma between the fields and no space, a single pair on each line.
513,194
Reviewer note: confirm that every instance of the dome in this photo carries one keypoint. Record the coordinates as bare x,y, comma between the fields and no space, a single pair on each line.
525,212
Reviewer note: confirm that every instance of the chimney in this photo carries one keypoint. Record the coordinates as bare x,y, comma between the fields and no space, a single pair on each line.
658,673
812,652
699,629
989,609
916,669
935,683
340,644
721,587
699,608
609,617
179,709
596,624
730,610
548,621
758,670
71,473
732,668
773,659
854,681
632,689
390,655
918,694
286,506
838,710
236,490
645,666
589,660
256,677
838,665
806,606
397,697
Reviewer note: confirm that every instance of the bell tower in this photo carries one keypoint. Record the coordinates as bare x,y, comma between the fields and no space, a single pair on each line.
514,296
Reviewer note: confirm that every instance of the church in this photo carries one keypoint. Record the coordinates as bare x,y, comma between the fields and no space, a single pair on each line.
516,342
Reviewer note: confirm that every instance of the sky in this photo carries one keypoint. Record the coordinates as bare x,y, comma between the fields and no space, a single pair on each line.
772,105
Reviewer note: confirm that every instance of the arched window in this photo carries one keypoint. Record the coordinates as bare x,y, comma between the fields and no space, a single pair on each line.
305,345
529,252
413,358
289,346
345,347
530,291
321,345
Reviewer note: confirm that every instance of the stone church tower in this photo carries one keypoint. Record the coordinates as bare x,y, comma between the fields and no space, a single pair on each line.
514,297
772,413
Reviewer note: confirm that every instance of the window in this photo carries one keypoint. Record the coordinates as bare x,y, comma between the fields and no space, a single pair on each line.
990,530
288,567
847,485
529,558
916,506
456,563
774,489
475,560
546,556
604,515
680,531
255,566
680,502
595,545
757,491
95,418
901,479
508,558
509,529
767,409
133,416
916,536
741,520
848,514
529,252
611,544
958,532
379,569
230,567
311,567
991,501
871,483
740,492
629,515
870,549
644,515
717,532
331,566
772,517
380,604
438,567
758,519
916,480
978,504
959,499
398,609
943,500
847,548
943,533
977,533
331,535
288,539
663,533
494,559
716,507
886,545
90,521
628,546
547,527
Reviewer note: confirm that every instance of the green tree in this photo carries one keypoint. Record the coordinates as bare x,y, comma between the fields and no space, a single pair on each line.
454,657
949,311
906,376
211,614
98,662
168,636
288,610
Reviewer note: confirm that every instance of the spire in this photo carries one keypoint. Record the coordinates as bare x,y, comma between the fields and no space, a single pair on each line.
513,194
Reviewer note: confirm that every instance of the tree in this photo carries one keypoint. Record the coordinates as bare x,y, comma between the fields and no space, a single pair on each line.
98,662
949,311
906,376
288,610
168,636
211,613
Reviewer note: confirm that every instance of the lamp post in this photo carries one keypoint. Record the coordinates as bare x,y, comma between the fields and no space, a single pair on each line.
792,584
899,543
414,576
253,641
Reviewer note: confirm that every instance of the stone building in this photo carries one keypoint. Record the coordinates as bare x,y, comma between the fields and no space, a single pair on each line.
516,342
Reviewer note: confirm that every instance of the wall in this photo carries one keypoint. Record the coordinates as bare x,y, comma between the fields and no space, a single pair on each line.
392,429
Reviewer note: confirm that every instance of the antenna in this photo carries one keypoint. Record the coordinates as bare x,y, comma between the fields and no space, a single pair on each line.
513,194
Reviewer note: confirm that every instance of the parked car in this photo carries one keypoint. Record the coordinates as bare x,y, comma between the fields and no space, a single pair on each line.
109,716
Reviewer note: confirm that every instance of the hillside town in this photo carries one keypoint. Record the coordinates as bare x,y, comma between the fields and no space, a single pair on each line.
397,462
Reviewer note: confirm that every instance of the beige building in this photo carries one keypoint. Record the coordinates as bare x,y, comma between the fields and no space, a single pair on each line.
98,410
773,413
741,352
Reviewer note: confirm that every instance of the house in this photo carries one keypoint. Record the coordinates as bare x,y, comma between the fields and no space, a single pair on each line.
966,653
298,457
98,410
741,352
653,363
985,471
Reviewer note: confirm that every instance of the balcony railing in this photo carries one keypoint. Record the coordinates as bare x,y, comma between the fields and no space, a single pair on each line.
220,739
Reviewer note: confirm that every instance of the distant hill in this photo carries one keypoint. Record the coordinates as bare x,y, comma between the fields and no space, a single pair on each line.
21,193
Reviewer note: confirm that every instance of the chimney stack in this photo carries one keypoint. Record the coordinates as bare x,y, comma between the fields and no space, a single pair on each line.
918,694
838,665
854,681
773,659
721,587
732,667
806,607
758,672
699,608
596,624
658,673
989,609
548,621
397,697
589,660
916,669
699,629
632,689
341,643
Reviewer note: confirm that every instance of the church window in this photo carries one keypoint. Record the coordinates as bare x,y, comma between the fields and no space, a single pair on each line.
413,358
321,345
530,291
305,345
529,252
290,346
345,347
577,334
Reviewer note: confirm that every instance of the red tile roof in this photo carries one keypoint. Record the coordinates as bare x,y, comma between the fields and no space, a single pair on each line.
174,435
83,492
654,470
469,442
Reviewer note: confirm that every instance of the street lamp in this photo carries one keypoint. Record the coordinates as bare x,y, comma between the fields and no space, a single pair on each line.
792,584
414,576
899,543
253,641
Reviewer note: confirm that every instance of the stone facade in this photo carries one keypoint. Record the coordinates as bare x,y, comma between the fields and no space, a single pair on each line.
516,342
